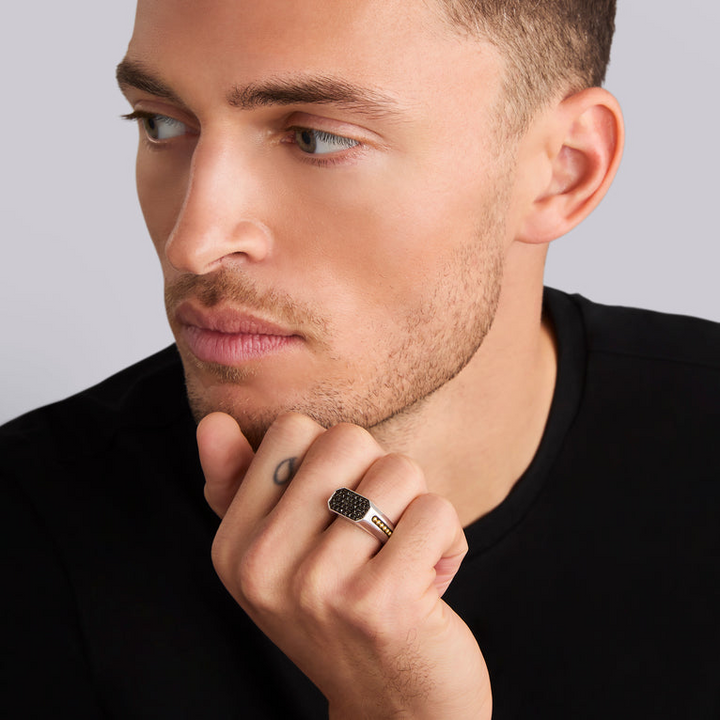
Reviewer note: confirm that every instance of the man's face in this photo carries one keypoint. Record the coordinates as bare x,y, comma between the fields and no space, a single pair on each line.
326,198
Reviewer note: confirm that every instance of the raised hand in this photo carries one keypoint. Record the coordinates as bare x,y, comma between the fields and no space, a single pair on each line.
364,621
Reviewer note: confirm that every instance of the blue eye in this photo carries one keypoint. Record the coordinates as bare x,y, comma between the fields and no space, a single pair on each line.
318,142
161,127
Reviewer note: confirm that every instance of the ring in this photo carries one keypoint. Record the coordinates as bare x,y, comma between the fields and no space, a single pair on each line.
362,512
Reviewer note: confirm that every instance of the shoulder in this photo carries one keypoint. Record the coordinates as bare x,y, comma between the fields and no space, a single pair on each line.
665,365
649,389
147,394
649,335
637,340
104,453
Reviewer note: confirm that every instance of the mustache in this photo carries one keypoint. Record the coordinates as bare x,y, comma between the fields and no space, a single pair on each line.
231,289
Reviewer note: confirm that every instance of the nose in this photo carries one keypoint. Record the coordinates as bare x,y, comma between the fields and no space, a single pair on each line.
219,221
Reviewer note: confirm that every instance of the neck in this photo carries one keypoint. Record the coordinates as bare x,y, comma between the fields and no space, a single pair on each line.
475,436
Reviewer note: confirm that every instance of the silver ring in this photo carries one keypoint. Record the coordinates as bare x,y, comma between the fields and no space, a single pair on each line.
362,512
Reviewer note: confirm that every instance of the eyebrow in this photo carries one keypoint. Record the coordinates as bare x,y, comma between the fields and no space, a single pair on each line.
130,74
298,89
314,90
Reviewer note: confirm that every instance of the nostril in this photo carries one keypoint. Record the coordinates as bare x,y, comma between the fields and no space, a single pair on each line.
197,245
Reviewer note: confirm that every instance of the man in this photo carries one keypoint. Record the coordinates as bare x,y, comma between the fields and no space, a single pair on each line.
352,203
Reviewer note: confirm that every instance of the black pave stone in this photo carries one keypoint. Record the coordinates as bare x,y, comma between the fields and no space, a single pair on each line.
349,503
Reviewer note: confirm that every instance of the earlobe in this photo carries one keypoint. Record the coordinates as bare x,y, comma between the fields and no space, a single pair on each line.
583,146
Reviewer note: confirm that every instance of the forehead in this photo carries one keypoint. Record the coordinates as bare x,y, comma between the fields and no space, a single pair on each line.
321,26
403,48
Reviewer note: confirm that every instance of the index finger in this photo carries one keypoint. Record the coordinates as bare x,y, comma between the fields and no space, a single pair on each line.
225,456
278,458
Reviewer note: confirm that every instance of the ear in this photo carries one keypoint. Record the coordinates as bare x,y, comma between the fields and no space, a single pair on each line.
579,147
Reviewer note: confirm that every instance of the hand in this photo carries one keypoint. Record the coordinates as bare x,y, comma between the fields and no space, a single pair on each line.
365,622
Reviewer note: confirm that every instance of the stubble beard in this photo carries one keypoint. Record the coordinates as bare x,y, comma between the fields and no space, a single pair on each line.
433,342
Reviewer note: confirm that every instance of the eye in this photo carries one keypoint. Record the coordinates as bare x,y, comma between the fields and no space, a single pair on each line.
161,127
318,142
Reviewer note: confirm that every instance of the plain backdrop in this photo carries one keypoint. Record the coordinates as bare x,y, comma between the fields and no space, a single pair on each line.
81,290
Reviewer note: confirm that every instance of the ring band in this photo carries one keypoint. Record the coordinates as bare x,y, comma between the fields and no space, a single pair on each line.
362,512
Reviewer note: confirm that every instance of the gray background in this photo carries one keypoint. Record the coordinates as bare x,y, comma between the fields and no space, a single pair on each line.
81,290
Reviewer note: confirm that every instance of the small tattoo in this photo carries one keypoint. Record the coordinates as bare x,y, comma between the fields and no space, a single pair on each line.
284,471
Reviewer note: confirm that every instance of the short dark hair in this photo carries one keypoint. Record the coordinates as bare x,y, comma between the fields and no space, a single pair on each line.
549,46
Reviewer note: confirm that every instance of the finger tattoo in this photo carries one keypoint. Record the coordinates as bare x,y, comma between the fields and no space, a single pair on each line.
285,471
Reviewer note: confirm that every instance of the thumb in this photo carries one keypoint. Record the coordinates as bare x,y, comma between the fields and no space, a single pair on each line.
225,456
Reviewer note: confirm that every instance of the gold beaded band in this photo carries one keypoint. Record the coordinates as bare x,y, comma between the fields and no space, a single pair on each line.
358,509
382,525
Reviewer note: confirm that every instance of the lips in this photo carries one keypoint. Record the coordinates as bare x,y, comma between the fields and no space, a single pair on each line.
228,337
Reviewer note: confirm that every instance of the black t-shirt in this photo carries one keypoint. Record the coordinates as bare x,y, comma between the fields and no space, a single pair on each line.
593,588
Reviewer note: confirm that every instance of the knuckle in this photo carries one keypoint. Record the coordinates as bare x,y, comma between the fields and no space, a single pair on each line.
248,577
328,598
439,509
293,426
394,471
349,434
220,554
435,505
251,588
309,590
403,468
345,441
437,515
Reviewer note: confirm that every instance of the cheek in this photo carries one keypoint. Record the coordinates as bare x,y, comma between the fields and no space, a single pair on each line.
161,185
385,239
